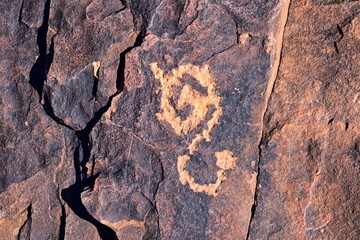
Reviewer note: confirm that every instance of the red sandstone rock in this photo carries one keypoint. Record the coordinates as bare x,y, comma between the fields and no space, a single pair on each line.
179,119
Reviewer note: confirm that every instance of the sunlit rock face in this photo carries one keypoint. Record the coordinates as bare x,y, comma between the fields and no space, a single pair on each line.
190,119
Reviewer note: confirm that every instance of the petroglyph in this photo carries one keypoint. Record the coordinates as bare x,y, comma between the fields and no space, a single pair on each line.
200,108
188,96
225,161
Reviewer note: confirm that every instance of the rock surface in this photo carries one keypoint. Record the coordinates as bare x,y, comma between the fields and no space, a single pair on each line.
190,119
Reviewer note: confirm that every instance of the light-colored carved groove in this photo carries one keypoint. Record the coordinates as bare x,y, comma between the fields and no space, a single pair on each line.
200,108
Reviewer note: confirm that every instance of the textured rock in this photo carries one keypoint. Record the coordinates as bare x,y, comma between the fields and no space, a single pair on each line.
309,160
191,119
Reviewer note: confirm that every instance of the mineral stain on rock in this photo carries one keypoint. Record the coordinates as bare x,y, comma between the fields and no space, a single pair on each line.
191,119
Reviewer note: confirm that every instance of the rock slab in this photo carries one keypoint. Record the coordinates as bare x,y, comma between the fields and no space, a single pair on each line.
190,119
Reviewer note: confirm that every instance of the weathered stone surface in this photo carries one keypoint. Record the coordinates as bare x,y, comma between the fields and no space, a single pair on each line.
87,38
191,119
309,165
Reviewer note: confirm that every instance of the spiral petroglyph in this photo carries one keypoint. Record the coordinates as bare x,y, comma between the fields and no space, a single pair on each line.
200,105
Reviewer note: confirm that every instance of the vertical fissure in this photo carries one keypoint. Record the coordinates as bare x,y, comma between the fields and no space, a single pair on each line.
82,155
21,11
120,79
283,16
83,182
38,72
62,227
62,223
71,195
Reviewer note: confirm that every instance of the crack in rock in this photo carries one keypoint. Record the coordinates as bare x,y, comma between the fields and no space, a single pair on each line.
283,15
82,154
25,229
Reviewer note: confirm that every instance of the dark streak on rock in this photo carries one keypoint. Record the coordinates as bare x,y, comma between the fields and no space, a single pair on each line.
336,48
217,53
116,12
62,227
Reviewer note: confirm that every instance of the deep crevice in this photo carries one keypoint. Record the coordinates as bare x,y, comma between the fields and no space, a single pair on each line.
95,86
39,71
62,223
62,227
120,78
82,153
254,206
27,224
124,3
72,194
83,182
50,111
84,135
